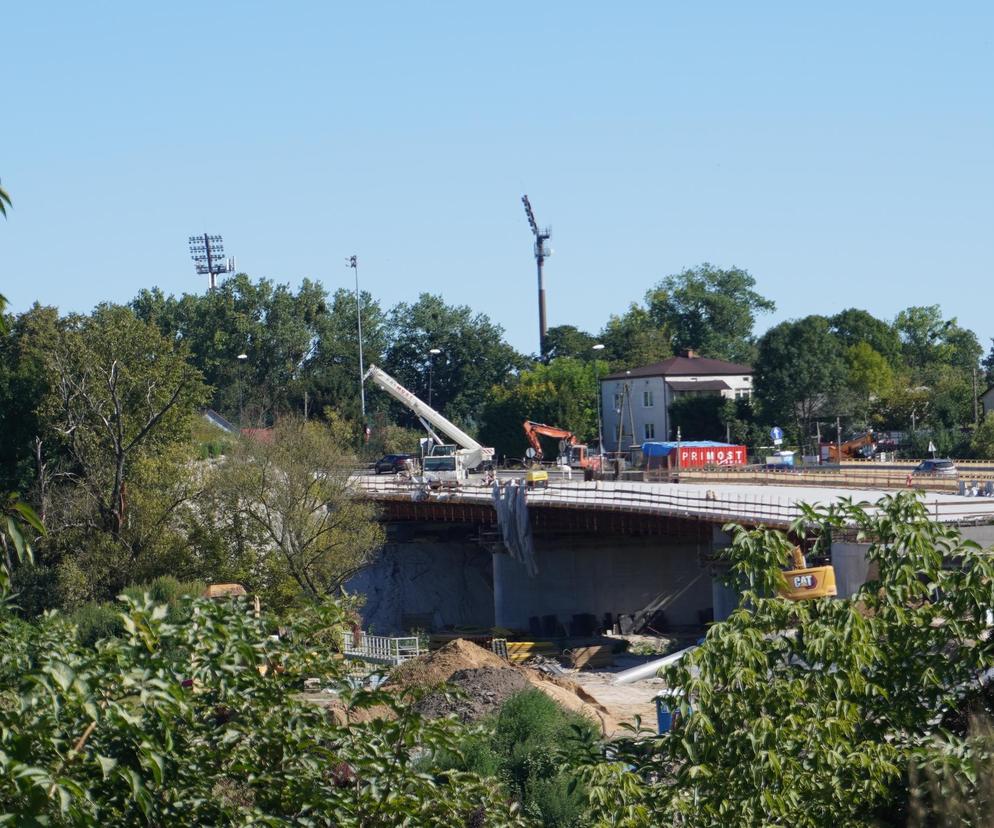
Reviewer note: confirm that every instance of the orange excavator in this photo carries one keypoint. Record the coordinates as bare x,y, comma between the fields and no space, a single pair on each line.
576,454
852,448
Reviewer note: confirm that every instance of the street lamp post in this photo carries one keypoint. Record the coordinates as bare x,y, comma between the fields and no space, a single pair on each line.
353,262
432,353
241,387
597,381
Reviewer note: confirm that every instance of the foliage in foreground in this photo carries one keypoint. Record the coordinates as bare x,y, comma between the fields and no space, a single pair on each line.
531,746
174,724
811,714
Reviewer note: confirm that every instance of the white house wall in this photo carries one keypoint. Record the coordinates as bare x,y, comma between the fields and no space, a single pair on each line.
662,398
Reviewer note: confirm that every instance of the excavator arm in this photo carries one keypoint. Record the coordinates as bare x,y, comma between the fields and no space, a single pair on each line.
535,430
850,447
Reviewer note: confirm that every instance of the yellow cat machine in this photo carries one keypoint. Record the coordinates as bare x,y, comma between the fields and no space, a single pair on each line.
805,583
537,479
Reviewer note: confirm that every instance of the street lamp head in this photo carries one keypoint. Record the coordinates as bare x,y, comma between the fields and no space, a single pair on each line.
243,356
598,347
435,351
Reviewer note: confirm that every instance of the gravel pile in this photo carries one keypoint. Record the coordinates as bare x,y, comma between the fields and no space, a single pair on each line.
484,690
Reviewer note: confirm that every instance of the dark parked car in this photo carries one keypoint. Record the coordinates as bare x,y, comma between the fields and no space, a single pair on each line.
392,463
937,468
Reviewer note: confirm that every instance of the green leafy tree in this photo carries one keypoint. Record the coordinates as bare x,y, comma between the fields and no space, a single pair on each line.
331,372
700,417
24,383
634,339
199,721
271,325
302,525
474,356
855,326
988,366
982,443
951,397
563,393
710,310
869,378
568,341
811,713
800,368
869,373
119,392
111,464
929,340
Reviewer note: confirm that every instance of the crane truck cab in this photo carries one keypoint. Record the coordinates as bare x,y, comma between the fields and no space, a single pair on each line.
444,468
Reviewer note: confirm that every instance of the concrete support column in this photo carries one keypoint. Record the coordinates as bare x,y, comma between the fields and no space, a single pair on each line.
500,559
851,567
724,599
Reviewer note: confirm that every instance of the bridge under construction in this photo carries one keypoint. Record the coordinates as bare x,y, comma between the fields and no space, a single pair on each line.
599,549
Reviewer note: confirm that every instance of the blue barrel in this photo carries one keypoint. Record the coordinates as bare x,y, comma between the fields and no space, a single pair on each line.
667,709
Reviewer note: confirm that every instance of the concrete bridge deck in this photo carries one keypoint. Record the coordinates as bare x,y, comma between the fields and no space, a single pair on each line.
774,506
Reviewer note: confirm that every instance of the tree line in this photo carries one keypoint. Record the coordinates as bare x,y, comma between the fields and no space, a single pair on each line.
263,350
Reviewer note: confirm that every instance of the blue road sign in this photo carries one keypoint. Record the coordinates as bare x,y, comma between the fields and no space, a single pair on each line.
776,433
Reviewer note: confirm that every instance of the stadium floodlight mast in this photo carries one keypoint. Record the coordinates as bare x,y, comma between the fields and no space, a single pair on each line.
207,253
542,252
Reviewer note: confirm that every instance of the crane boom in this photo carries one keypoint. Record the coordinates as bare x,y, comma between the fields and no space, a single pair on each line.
424,411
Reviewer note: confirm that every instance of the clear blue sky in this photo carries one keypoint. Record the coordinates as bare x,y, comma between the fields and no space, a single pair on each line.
842,152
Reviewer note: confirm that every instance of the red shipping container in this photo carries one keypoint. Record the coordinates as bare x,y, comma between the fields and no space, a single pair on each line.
698,456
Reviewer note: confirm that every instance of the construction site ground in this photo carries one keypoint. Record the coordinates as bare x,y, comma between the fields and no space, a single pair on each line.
487,681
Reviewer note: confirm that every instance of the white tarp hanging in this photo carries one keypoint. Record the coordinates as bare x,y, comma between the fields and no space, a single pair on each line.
511,505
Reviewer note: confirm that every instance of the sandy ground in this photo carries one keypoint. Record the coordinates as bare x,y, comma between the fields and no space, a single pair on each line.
624,701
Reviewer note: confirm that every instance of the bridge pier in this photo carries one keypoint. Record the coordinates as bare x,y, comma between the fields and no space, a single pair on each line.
427,583
598,576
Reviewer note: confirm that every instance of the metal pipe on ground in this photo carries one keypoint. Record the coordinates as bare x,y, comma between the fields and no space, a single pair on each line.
650,668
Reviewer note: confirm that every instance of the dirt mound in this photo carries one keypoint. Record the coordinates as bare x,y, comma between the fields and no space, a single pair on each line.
571,696
459,655
485,688
438,667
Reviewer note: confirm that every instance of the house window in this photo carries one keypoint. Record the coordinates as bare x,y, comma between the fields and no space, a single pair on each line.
743,394
650,431
647,399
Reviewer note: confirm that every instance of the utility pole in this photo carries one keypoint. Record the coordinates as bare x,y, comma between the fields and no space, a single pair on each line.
353,262
541,254
597,381
976,401
838,439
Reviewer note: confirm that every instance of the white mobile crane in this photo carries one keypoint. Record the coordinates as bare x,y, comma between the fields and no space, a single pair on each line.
445,462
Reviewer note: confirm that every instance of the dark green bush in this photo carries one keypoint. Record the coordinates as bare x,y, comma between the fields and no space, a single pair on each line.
34,586
527,745
167,590
96,621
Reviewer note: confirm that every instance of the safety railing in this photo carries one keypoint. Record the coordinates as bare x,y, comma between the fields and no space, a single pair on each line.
844,478
381,649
